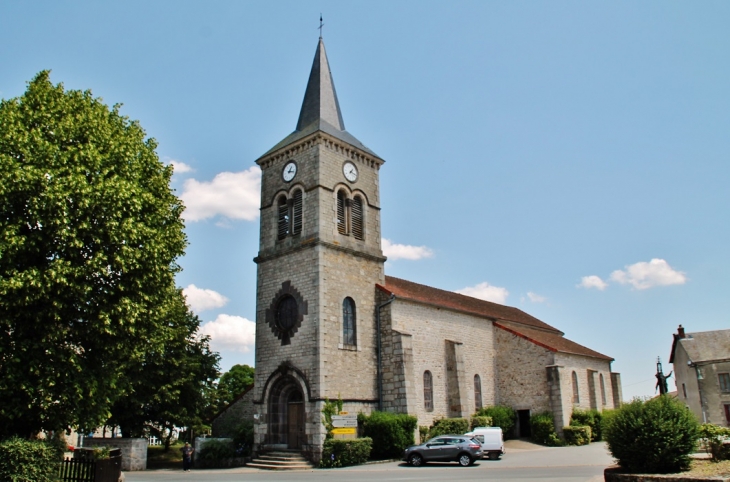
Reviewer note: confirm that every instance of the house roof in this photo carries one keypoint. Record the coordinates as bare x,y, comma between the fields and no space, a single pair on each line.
704,346
507,318
552,341
320,108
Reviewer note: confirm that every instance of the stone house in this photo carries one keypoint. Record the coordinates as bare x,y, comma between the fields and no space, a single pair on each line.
701,363
330,323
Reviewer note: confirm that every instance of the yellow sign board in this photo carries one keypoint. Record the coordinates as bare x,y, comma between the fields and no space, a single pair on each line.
344,431
344,413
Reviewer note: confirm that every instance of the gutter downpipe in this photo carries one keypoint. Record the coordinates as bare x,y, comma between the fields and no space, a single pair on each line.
380,357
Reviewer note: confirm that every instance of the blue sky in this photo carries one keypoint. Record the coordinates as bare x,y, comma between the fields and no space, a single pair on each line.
538,153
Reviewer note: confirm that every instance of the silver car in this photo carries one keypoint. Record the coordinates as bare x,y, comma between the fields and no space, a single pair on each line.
444,448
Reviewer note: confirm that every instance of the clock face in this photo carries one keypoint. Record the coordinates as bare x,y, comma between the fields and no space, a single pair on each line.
290,170
350,171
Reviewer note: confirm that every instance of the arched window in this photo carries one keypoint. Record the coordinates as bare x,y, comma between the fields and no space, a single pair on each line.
477,392
343,223
349,327
296,212
427,391
358,222
576,396
603,389
282,217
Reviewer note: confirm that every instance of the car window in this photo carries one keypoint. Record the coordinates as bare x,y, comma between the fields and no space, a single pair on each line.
436,441
479,438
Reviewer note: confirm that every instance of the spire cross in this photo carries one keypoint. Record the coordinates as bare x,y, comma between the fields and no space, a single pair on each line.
320,25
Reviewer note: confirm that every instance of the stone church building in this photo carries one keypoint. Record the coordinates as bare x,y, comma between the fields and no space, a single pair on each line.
330,323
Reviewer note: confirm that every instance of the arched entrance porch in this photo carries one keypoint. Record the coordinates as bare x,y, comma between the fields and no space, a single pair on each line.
286,414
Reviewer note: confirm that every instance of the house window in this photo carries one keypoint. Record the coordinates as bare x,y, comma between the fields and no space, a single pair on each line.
358,222
603,389
727,413
684,390
477,392
343,221
576,396
349,331
427,391
724,382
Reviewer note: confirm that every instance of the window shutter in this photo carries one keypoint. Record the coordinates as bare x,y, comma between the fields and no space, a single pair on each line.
297,213
283,220
341,214
358,227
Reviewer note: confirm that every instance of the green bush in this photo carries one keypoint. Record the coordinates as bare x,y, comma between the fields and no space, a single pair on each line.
27,461
217,449
422,433
502,416
542,428
442,426
577,435
391,432
341,453
655,436
480,421
591,418
713,438
243,438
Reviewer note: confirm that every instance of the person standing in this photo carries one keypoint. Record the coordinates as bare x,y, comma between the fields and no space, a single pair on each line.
187,453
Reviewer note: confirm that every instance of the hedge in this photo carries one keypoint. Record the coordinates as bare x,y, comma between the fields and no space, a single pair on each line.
654,436
542,428
576,435
713,438
217,449
341,453
502,416
28,461
442,426
480,421
592,418
391,433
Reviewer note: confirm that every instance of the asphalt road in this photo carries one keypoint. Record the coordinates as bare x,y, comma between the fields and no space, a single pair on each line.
570,464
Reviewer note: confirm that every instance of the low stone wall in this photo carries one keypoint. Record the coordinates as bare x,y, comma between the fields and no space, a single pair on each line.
613,474
134,450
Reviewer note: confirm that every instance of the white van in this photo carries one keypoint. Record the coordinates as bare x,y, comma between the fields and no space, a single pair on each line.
491,440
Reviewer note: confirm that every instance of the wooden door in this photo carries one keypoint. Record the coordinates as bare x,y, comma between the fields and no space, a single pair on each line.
295,425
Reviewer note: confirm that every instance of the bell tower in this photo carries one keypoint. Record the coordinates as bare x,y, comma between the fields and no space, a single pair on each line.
319,260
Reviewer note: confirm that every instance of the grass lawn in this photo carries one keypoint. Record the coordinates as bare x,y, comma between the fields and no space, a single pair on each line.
708,468
157,458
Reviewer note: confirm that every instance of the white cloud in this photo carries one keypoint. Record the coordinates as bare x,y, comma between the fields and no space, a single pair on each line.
199,299
405,251
230,333
592,281
234,195
485,291
643,275
180,167
535,298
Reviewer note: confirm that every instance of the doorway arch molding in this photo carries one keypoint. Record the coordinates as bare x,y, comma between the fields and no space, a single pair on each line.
286,369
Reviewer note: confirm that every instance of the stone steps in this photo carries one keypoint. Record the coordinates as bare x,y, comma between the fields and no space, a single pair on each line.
280,460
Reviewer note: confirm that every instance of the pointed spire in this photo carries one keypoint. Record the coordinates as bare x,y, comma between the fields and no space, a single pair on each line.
320,99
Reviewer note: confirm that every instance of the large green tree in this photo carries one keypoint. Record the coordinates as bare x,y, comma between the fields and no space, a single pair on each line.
89,236
233,383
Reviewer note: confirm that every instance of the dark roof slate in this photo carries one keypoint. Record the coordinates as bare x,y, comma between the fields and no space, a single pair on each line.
705,346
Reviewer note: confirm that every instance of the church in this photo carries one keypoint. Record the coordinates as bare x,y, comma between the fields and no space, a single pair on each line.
330,323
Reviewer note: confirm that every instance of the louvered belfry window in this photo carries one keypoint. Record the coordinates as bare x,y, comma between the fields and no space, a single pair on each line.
296,212
358,223
342,227
349,330
283,218
427,391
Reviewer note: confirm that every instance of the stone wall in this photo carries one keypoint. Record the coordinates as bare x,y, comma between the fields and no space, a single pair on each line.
585,368
227,422
134,450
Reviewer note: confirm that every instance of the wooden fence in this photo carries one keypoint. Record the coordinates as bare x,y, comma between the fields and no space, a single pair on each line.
89,470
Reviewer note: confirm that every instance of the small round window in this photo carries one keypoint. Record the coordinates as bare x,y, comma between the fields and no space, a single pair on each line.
287,313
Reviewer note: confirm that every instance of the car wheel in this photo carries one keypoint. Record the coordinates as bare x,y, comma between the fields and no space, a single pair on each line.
493,455
416,460
465,460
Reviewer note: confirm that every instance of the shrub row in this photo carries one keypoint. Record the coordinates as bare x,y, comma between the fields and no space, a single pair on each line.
502,416
591,418
480,421
217,449
542,428
713,438
448,426
341,453
577,435
28,461
391,433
